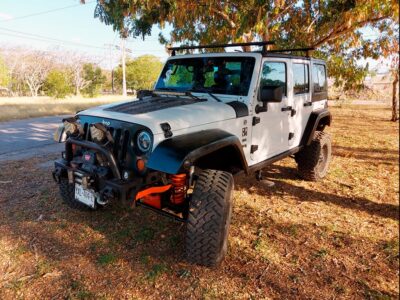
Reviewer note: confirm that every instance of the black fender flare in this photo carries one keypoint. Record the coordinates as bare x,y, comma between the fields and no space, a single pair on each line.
170,155
318,120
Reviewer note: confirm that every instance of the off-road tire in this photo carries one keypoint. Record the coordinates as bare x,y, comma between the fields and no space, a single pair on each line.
209,217
67,192
313,160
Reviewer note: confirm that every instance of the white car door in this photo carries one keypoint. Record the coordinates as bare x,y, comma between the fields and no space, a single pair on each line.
271,128
301,104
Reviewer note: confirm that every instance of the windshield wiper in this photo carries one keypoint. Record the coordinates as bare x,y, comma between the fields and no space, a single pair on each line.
215,97
208,93
189,93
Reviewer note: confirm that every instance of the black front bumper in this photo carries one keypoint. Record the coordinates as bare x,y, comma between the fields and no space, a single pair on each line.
107,188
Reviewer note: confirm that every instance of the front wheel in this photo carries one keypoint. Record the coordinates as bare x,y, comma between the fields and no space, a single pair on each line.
313,160
210,211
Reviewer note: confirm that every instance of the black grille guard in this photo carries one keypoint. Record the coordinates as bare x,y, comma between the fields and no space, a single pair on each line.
110,157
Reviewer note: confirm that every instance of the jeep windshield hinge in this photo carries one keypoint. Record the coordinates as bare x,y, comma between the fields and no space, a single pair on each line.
256,120
253,148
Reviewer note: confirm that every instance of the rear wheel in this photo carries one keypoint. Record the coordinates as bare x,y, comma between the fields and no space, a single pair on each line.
210,211
67,192
313,161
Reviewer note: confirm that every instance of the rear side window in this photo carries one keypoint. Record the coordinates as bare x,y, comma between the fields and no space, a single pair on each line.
300,77
319,78
274,74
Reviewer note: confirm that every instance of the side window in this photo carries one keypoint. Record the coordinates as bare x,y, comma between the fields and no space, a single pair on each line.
274,74
300,77
319,78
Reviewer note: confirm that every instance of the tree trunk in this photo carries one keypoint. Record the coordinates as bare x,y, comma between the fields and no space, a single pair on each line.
394,96
77,91
32,89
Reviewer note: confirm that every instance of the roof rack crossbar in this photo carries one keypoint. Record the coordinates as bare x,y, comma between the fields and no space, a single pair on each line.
307,50
263,44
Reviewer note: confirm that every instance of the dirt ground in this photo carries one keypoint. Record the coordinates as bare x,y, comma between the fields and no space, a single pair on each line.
335,239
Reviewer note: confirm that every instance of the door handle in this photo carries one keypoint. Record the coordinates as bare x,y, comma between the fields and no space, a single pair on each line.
287,108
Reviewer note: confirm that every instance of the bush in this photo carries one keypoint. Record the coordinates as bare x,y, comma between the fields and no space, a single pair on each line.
95,78
58,84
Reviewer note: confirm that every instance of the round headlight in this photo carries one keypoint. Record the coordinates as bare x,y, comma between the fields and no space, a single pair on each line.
70,128
97,134
144,141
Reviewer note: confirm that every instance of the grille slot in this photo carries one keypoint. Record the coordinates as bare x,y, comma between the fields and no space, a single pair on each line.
122,139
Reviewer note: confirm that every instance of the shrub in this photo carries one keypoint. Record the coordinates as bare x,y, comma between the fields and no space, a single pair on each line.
58,84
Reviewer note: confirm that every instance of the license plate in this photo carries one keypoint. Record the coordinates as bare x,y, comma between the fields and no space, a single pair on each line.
84,195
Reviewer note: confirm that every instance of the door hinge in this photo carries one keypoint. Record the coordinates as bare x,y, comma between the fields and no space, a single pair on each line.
253,148
293,112
256,120
291,135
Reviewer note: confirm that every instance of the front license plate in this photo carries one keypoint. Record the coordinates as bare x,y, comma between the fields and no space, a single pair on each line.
84,195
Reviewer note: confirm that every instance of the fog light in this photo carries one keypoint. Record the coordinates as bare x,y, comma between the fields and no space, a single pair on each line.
125,175
70,128
96,134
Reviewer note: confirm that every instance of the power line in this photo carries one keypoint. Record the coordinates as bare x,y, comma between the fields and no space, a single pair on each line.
44,12
42,38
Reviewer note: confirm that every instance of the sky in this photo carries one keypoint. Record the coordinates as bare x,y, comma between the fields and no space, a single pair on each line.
69,26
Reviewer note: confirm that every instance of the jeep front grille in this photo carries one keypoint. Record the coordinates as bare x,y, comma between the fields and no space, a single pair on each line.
122,138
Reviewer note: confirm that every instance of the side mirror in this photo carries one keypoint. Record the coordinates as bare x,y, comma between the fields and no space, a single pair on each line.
271,94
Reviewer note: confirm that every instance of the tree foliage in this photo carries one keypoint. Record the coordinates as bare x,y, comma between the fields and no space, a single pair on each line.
141,72
4,74
332,26
94,78
58,84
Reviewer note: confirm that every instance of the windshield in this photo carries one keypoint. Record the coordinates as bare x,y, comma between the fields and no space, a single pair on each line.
219,75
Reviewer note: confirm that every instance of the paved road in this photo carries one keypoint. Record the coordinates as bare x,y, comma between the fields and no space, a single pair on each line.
28,138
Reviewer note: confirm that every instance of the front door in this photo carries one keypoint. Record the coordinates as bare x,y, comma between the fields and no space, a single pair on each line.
271,128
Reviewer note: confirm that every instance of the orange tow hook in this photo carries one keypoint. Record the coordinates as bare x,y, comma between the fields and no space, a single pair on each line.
151,196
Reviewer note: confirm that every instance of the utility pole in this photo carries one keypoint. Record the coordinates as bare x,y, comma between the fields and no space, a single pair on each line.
123,68
123,64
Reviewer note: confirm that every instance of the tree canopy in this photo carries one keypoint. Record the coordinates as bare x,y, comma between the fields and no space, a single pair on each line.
332,26
4,76
141,72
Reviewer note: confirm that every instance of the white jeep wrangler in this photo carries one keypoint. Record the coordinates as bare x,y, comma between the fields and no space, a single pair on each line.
176,148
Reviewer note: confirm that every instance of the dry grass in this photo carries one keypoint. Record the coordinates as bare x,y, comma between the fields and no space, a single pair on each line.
336,239
28,107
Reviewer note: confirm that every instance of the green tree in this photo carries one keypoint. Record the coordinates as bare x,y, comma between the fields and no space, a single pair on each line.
331,26
58,84
4,74
94,78
141,72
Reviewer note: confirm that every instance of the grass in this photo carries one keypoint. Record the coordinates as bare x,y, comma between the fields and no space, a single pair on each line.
337,238
106,259
27,107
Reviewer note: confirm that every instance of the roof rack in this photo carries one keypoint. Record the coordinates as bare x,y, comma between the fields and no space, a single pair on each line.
306,50
263,44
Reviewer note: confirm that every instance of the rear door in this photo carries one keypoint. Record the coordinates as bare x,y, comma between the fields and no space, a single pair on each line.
301,100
